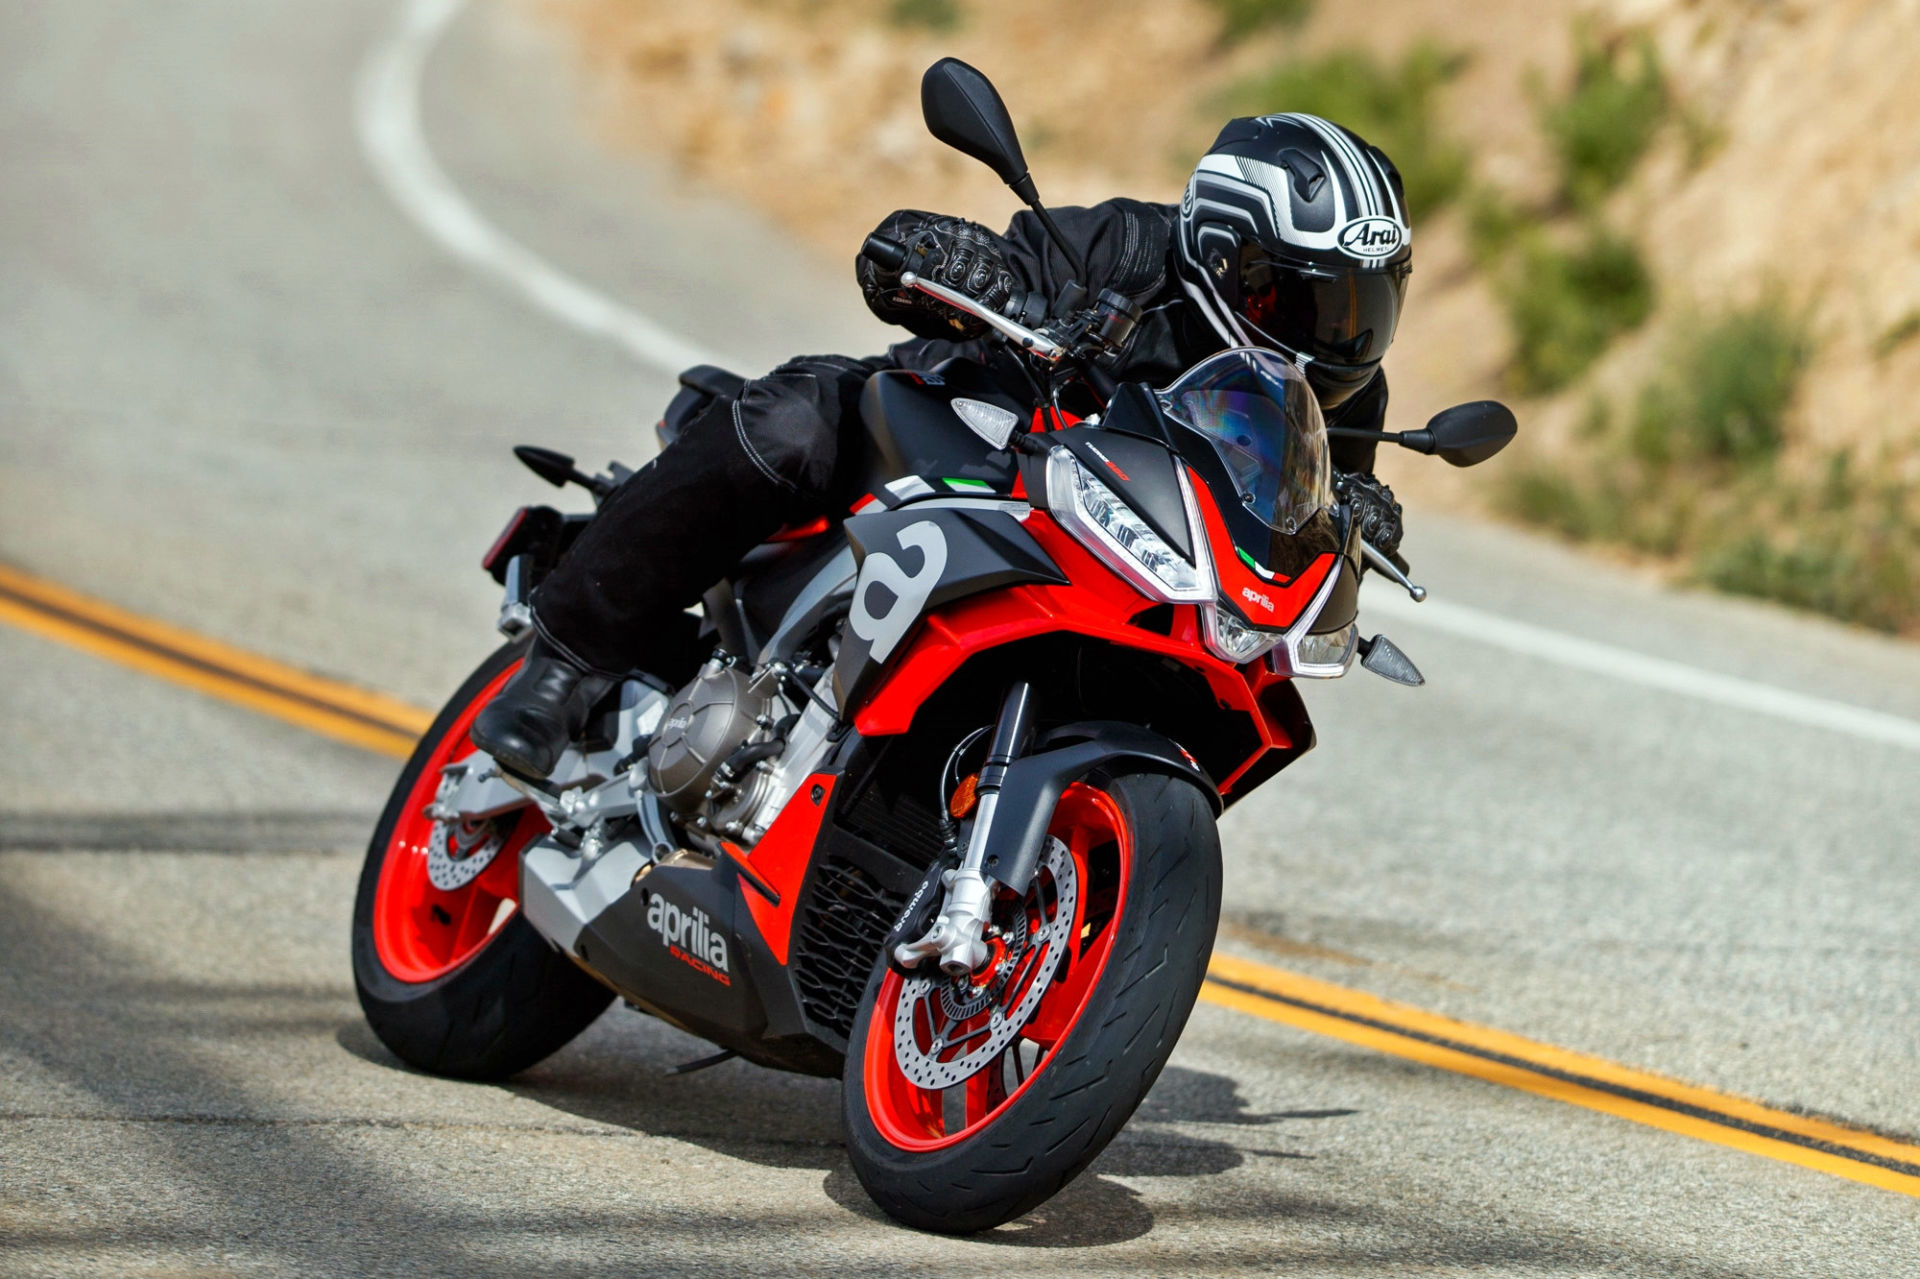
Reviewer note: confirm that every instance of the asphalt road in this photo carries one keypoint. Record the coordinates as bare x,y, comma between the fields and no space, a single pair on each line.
242,393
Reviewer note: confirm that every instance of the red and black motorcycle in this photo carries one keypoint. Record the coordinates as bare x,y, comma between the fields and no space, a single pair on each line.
938,814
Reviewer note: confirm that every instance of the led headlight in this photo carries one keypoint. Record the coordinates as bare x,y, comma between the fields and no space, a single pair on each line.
1233,639
1326,655
1305,654
1109,528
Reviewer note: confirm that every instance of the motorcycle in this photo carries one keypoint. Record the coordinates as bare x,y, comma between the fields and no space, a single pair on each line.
937,815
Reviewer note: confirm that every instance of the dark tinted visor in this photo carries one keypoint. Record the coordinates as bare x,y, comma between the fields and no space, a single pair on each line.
1331,315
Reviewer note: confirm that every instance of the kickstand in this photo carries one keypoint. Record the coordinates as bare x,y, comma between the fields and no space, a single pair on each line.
701,1063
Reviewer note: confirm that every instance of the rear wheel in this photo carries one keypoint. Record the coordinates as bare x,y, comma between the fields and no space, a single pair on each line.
971,1101
450,976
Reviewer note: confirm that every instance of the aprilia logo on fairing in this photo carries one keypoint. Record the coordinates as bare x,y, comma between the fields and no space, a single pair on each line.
883,631
1371,238
1252,596
689,937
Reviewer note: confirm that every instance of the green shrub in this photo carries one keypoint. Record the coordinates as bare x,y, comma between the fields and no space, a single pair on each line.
934,15
1599,131
1726,387
1692,472
1494,225
1859,570
1565,305
1897,334
1391,106
1244,17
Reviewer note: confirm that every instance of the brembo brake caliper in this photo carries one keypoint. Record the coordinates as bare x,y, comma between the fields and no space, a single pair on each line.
957,932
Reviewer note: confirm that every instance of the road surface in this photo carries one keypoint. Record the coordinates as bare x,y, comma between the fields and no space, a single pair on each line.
244,393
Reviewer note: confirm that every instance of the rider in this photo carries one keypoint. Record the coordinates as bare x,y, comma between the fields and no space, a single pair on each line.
1292,235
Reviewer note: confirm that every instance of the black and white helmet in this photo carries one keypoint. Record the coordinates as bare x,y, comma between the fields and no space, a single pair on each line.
1293,235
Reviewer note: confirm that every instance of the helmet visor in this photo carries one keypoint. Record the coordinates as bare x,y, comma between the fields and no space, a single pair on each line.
1331,315
1262,418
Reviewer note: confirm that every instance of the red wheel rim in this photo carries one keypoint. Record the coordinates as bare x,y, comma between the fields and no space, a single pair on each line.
419,931
1090,824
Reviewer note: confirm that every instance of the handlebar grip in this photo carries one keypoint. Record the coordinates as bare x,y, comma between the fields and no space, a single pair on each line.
888,255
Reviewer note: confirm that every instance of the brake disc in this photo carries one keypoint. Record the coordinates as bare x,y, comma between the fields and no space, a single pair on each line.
935,1015
457,851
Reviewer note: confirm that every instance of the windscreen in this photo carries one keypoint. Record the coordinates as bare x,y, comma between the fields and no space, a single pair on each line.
1256,409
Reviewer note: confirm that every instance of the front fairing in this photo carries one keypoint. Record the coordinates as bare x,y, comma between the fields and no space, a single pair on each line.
1280,559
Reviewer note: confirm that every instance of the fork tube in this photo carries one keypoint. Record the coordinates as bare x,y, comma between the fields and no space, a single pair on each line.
1010,736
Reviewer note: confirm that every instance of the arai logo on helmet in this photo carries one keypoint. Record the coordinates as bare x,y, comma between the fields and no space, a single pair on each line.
1371,238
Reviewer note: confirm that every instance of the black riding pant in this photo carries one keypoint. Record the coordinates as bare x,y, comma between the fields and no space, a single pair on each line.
785,450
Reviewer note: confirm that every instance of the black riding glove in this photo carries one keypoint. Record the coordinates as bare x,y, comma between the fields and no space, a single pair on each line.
960,254
1374,510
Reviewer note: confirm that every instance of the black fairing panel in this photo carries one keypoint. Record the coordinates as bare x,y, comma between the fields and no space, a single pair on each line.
1134,411
682,946
773,575
915,559
1343,606
1141,472
913,430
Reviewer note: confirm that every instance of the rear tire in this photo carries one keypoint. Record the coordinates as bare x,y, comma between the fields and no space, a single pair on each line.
1016,1147
445,982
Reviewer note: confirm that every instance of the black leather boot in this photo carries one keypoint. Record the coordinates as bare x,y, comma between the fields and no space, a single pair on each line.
543,707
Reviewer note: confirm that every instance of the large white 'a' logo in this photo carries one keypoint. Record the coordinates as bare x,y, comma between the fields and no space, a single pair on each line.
909,593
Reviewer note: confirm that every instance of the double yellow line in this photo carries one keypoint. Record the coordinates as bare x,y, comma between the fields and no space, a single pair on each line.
1563,1075
391,727
324,706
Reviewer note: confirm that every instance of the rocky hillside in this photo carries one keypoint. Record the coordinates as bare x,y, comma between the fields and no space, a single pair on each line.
1682,235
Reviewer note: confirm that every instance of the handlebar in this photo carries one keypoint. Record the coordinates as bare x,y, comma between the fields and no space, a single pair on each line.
889,255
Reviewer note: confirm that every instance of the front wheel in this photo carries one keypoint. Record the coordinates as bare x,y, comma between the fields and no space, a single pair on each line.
450,975
970,1101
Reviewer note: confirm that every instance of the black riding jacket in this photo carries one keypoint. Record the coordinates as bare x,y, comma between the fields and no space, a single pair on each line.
1129,248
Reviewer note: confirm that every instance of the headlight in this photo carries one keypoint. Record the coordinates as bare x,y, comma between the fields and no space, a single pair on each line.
1233,639
1327,655
1110,529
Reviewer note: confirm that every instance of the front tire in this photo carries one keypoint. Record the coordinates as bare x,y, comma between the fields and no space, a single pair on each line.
967,1156
459,983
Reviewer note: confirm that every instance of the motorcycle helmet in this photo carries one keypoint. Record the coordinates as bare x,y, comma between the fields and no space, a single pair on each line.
1293,235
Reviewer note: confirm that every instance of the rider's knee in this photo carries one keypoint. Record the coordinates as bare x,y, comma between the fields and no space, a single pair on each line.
788,422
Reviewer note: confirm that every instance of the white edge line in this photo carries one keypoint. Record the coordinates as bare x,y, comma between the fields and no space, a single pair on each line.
387,118
1651,672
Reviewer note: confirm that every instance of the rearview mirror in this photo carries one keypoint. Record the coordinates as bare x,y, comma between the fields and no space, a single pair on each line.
1467,434
964,110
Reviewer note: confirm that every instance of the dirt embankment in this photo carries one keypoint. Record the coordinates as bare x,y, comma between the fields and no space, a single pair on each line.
1799,173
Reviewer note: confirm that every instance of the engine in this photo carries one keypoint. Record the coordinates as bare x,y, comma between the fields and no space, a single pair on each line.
715,759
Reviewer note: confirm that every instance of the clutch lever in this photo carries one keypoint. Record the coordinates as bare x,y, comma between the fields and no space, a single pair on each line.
1377,560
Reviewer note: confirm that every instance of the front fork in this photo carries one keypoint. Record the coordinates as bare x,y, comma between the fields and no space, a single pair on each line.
957,936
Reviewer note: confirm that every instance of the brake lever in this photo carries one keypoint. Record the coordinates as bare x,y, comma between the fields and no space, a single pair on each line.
1377,560
1026,339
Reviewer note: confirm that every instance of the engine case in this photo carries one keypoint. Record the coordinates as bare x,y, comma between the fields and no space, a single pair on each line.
723,709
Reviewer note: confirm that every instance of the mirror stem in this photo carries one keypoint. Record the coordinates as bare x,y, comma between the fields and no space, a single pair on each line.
1418,441
1030,196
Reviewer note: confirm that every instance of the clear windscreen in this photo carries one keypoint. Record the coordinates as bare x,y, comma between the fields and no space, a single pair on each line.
1255,407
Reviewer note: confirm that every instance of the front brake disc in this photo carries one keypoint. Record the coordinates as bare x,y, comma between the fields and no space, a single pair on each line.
945,1032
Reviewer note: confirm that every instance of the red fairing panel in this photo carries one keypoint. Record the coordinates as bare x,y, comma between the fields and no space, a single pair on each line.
1097,604
780,860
